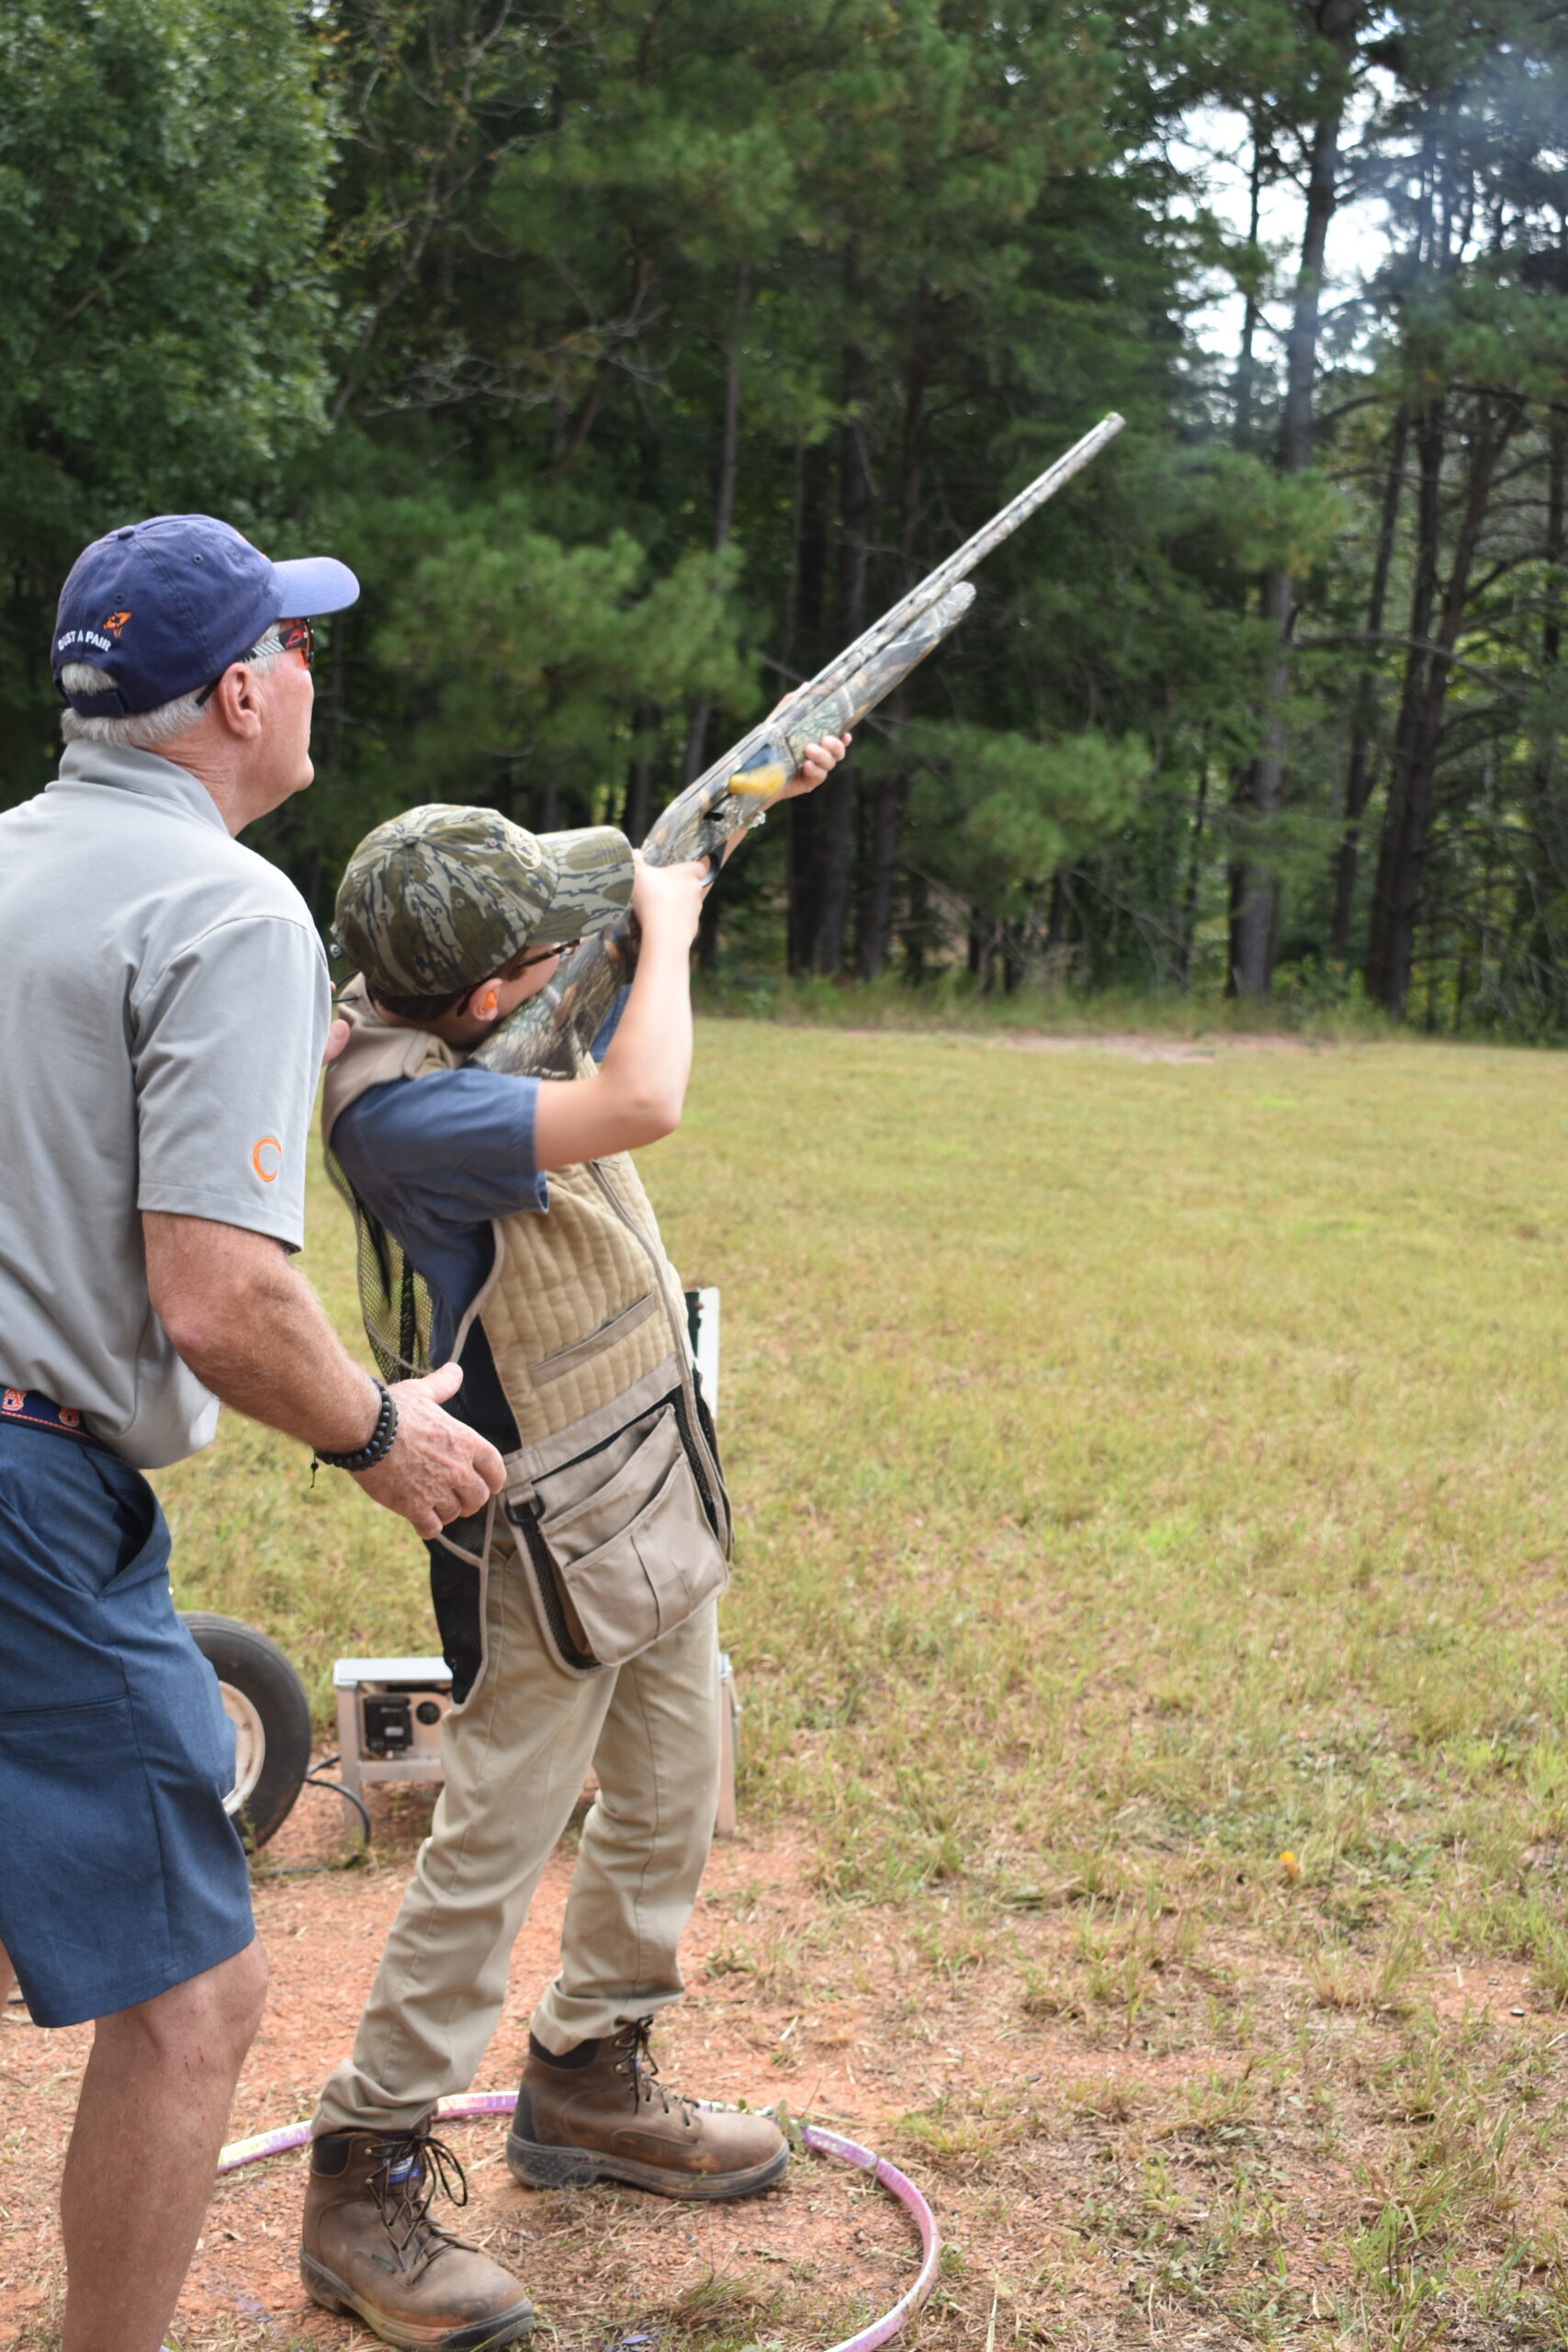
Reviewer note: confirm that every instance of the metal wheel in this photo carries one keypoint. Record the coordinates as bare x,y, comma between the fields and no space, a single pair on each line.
265,1699
250,1745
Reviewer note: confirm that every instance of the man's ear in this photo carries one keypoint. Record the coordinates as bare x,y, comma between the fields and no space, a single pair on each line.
485,1003
236,702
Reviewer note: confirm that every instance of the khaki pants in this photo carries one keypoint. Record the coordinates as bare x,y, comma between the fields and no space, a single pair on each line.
515,1757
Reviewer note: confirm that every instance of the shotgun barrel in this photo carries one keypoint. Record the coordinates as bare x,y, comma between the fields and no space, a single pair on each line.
547,1036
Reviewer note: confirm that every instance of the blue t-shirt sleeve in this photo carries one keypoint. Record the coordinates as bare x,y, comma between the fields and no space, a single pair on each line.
454,1148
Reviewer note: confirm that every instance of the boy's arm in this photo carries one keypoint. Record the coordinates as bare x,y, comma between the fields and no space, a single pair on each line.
640,1089
637,1094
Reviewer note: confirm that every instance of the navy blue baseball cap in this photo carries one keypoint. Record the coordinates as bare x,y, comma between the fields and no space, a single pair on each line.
163,607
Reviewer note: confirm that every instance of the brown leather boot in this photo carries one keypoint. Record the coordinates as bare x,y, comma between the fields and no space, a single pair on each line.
369,2246
600,2113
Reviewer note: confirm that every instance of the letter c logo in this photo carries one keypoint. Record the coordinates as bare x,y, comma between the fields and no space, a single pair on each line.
263,1160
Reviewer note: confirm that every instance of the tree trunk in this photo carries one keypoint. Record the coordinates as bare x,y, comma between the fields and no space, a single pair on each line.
916,928
639,777
1189,924
1057,917
882,865
1245,371
723,504
1361,774
1253,891
1253,881
805,815
877,925
1407,828
836,831
1556,540
1429,444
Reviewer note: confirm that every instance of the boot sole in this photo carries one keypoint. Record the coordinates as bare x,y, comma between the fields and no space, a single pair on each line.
532,2167
480,2335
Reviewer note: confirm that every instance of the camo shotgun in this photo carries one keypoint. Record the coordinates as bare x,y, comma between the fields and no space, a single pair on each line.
546,1036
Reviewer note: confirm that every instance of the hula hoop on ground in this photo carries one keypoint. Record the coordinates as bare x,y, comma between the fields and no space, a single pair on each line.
821,2143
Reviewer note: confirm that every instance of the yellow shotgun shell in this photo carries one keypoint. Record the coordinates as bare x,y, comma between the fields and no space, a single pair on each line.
755,784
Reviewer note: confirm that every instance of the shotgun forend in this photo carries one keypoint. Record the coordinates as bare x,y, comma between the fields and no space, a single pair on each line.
548,1036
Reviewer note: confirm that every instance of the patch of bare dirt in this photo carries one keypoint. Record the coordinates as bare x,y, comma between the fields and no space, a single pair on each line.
1132,1044
602,2265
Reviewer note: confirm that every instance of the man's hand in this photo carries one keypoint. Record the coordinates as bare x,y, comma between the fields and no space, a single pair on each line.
253,1332
438,1469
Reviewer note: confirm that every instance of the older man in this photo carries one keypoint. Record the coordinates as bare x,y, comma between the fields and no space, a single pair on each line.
165,1008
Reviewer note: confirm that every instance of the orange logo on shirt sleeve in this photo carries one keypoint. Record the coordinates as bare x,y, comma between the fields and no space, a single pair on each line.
262,1152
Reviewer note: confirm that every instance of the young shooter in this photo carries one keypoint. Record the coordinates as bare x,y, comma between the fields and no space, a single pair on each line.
580,1621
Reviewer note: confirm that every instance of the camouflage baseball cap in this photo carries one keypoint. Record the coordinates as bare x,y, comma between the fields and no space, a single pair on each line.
442,897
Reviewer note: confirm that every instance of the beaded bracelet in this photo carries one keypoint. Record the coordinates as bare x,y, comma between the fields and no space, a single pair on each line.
377,1446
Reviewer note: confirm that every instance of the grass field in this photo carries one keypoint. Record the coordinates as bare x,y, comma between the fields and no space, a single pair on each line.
1148,1612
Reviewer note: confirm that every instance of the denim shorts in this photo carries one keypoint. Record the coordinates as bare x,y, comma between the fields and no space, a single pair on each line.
120,1874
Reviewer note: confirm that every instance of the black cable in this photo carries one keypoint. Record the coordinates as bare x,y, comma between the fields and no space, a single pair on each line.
351,1861
336,1789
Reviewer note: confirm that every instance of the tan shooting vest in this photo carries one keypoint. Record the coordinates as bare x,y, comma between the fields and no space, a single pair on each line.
582,1304
585,1314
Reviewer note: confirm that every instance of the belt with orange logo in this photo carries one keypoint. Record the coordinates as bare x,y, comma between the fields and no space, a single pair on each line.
26,1408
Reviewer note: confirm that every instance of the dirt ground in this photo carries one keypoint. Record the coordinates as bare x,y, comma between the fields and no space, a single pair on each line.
1130,1044
603,2266
1089,2175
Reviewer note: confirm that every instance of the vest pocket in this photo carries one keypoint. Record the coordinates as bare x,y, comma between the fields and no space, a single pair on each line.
630,1557
619,1327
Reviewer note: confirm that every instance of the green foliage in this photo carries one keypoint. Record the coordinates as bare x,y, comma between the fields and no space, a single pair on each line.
163,168
534,652
635,359
994,815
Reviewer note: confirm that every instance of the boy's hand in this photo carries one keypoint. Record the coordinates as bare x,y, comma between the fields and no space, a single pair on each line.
669,898
816,764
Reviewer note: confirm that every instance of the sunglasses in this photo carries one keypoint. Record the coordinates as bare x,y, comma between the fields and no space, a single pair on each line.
287,636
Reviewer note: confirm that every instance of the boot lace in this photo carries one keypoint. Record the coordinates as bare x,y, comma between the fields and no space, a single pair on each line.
408,2169
637,2063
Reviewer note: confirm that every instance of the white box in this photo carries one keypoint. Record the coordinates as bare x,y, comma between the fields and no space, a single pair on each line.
388,1725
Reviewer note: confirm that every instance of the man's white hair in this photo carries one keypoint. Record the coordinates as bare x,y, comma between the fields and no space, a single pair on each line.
146,730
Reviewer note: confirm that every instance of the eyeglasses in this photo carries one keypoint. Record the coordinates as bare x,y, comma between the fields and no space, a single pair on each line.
516,970
283,637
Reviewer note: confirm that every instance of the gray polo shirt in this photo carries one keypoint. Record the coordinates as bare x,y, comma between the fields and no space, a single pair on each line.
163,1003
